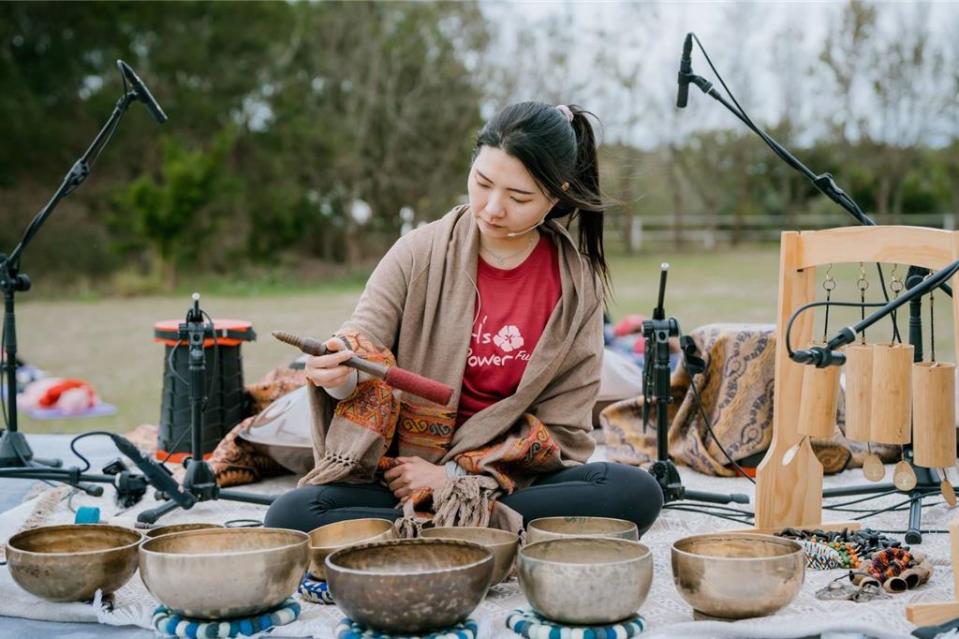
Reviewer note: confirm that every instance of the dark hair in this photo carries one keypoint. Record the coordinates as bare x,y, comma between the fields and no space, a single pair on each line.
556,151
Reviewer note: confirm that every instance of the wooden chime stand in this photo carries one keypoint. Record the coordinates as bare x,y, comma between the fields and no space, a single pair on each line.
789,491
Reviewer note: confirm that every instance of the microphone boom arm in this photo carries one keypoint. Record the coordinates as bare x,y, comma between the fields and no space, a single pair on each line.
73,179
825,183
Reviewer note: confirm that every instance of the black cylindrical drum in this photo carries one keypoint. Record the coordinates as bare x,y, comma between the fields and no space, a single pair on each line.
224,386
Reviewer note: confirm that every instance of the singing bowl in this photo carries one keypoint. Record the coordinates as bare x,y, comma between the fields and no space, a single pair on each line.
735,576
332,537
71,562
218,573
175,528
502,543
409,586
585,580
561,527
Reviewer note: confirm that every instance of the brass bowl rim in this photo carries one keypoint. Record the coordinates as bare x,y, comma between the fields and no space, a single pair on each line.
628,525
231,531
514,538
795,546
328,562
564,540
204,526
74,553
348,543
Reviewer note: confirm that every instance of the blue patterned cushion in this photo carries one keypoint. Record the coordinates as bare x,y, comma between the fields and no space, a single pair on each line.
169,624
531,625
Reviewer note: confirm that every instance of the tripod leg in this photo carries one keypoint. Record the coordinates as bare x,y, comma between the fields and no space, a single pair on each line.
150,516
913,536
250,498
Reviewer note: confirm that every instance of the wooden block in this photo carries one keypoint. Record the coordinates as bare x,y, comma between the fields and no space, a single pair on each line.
891,408
934,414
858,391
932,614
818,402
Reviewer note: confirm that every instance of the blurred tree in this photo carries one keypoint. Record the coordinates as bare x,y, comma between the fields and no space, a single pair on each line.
370,101
176,215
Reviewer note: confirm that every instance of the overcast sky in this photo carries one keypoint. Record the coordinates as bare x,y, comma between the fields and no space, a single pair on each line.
739,37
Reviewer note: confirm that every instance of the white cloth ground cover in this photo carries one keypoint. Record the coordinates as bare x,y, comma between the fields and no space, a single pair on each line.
665,611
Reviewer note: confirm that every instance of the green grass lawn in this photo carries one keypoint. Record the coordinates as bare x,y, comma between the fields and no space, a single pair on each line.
109,341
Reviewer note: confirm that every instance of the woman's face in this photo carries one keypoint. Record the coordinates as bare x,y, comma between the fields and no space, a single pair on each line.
504,197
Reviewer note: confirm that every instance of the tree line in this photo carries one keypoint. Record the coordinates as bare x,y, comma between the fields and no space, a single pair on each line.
299,131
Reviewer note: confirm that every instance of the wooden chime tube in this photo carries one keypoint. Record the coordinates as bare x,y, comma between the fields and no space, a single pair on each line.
819,401
858,391
891,406
934,414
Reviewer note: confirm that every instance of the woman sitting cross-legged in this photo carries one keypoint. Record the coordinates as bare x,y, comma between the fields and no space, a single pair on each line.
500,301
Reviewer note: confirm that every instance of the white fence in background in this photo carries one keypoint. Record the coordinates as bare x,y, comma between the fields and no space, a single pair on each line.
708,232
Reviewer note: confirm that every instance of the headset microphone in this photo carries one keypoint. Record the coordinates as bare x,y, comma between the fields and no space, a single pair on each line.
525,231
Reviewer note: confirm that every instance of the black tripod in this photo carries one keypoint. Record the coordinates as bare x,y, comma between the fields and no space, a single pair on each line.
199,482
15,452
656,388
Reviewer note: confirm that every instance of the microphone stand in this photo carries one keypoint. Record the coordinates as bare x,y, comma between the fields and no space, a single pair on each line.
657,388
826,184
200,480
15,451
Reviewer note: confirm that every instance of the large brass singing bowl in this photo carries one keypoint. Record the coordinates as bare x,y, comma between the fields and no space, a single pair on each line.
502,543
332,537
734,576
409,586
69,563
561,527
224,572
585,580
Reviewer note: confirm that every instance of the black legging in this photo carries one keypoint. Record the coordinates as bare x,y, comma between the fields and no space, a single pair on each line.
600,489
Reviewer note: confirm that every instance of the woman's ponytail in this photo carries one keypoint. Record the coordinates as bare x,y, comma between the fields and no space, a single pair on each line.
584,189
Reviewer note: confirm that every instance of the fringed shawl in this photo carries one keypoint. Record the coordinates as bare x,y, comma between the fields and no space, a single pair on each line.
419,304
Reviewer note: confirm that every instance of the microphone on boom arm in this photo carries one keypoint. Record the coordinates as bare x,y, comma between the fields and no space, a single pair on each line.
685,70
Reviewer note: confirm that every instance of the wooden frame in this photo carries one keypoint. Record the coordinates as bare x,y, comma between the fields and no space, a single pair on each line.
790,495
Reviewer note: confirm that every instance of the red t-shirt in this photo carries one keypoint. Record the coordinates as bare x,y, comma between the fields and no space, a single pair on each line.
512,308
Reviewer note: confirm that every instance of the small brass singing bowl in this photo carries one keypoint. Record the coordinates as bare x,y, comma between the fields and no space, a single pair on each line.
175,528
557,573
502,543
735,576
343,534
409,586
219,573
71,562
560,527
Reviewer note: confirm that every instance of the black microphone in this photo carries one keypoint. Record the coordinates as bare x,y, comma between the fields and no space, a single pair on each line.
819,356
158,475
823,356
685,70
142,92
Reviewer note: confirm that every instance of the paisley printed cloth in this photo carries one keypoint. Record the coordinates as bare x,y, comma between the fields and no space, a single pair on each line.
737,395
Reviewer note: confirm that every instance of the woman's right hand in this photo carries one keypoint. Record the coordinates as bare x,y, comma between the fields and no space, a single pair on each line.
327,370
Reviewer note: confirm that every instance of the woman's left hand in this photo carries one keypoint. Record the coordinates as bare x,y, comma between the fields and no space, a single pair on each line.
412,474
